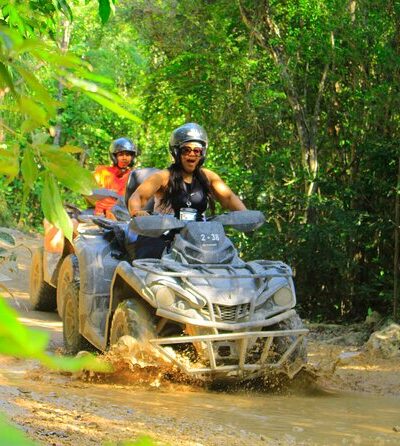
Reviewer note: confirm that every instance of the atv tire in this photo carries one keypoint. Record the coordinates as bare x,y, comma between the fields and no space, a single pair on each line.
131,318
282,343
74,342
42,295
69,272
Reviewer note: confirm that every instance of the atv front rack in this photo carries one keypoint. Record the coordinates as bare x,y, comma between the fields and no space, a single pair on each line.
242,369
200,271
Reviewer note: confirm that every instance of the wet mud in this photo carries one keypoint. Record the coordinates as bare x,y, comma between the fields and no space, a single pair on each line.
345,395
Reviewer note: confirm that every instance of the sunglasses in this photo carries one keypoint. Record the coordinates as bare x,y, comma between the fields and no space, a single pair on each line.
197,151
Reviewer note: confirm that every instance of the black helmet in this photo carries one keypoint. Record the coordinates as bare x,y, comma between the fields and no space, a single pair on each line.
122,145
185,133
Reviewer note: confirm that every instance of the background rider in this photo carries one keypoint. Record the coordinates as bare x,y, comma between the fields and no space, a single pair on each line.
123,153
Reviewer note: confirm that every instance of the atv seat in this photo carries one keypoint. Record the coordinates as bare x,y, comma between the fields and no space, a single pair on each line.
135,179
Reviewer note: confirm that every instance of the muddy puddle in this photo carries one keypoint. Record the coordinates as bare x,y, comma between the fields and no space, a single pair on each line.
353,402
325,419
59,410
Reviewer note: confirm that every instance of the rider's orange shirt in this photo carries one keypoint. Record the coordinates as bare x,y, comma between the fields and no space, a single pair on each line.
110,177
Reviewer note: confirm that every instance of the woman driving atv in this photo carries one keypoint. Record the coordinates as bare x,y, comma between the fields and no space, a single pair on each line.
123,153
184,187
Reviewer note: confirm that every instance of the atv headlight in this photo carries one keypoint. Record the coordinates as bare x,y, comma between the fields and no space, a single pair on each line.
283,297
165,296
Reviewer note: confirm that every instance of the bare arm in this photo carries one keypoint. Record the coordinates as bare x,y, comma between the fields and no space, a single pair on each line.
223,193
145,191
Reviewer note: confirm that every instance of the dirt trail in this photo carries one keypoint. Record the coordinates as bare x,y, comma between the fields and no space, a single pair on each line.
346,397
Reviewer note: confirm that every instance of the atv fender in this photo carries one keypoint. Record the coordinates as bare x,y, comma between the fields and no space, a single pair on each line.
51,265
127,283
97,264
128,277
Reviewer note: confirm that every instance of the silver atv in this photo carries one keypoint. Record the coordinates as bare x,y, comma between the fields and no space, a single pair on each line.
199,307
49,273
54,263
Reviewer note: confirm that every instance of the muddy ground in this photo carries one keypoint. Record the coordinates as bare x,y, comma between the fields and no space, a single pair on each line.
343,376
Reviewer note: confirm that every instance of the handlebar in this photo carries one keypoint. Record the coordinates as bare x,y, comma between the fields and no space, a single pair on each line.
156,225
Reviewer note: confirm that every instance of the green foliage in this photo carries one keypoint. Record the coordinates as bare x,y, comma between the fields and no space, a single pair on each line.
22,59
172,62
6,218
19,341
12,436
204,66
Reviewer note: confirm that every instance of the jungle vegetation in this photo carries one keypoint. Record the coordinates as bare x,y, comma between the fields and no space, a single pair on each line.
300,99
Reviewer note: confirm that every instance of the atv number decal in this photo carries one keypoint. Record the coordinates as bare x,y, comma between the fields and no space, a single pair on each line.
209,237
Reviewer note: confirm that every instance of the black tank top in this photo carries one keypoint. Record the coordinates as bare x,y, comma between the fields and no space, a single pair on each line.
192,196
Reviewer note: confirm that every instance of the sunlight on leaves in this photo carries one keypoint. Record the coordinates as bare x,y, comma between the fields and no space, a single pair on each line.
53,207
29,168
22,342
11,436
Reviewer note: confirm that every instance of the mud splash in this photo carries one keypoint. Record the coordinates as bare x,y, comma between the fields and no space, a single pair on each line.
316,408
132,366
138,371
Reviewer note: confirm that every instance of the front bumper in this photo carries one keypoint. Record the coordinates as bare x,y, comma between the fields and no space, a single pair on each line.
243,368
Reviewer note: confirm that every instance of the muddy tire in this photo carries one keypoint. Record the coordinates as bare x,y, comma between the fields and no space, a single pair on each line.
73,340
131,318
69,272
42,295
281,344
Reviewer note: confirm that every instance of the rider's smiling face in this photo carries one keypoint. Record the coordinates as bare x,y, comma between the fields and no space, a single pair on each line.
191,153
124,159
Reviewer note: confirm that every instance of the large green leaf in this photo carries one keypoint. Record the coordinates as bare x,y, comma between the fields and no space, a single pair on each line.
18,340
11,436
57,59
40,138
53,208
31,108
5,79
39,91
29,168
113,107
28,126
10,38
87,362
71,149
63,6
94,77
104,10
103,97
67,170
88,86
9,165
27,45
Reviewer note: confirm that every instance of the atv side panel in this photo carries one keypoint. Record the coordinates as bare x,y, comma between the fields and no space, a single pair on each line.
97,262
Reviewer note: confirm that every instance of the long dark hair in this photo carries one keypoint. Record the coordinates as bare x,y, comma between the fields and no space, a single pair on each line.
175,187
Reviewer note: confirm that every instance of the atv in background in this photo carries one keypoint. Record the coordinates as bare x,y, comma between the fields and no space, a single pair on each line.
53,266
199,307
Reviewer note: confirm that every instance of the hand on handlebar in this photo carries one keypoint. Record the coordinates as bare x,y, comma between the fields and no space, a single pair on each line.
139,213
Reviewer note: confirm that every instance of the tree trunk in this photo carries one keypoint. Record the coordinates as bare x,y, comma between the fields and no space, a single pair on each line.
267,33
64,45
396,264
